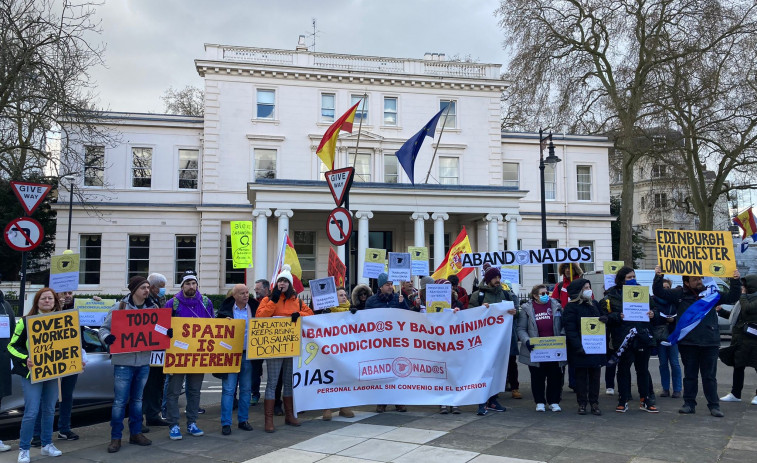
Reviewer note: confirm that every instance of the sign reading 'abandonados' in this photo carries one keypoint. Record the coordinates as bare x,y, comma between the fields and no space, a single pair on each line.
528,257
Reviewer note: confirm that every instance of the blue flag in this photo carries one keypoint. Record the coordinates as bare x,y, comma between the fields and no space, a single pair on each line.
409,151
693,315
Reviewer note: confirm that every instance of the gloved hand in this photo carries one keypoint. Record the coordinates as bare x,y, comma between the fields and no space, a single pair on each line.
295,316
109,339
169,333
604,319
353,310
529,346
275,295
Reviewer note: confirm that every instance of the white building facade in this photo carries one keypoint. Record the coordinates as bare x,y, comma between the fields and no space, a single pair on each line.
163,198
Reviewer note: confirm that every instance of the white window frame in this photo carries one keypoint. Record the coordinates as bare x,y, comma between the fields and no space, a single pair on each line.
100,168
307,257
589,266
451,123
517,174
254,161
396,111
389,158
84,260
128,252
365,112
321,108
371,165
132,168
459,170
176,271
659,170
660,200
590,183
274,113
553,182
180,169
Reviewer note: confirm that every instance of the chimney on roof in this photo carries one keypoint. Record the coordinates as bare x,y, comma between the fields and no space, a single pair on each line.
442,57
435,56
301,44
427,56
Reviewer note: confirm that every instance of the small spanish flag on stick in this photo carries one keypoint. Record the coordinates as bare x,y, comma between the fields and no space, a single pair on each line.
327,147
453,262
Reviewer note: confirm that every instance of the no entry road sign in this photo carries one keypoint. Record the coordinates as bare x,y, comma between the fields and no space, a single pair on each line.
339,226
23,234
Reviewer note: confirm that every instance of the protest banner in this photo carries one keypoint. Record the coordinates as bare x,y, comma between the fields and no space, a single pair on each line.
205,345
336,267
399,267
635,303
549,349
64,272
5,327
276,337
611,268
593,338
157,358
241,243
438,297
401,356
375,262
528,257
696,253
92,312
140,330
323,293
54,345
419,259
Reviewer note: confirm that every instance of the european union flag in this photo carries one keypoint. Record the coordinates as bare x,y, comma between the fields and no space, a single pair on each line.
409,151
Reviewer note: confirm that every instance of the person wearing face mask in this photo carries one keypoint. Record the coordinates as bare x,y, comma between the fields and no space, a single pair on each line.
699,347
633,342
152,395
541,316
588,367
38,397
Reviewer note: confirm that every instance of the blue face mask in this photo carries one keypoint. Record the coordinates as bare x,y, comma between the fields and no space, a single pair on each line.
631,282
544,298
162,292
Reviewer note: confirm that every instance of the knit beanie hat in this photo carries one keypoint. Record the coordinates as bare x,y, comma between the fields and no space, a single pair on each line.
490,272
286,272
135,282
576,287
442,281
382,279
188,276
427,280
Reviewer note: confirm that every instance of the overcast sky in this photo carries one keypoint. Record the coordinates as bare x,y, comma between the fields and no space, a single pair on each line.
152,44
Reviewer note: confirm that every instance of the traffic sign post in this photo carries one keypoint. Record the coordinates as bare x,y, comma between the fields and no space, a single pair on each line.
340,181
30,195
339,226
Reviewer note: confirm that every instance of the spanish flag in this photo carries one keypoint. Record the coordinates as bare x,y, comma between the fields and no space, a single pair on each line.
453,262
288,256
327,147
746,221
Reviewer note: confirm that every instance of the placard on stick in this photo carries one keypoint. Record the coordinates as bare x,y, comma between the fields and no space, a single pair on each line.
140,330
54,345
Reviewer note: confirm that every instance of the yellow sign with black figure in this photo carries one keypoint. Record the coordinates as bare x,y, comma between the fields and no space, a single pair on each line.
695,253
54,345
612,266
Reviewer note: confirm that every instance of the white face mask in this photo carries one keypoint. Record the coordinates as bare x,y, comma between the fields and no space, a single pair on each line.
588,293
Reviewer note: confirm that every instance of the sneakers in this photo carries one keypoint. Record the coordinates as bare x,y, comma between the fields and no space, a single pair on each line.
582,409
610,391
622,408
595,410
647,406
687,410
540,407
443,410
555,408
754,400
481,410
50,451
716,413
254,400
494,406
455,410
194,430
200,411
226,430
4,447
23,456
175,433
516,394
730,398
67,435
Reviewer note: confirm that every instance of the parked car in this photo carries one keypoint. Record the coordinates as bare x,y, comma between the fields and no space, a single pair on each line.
94,388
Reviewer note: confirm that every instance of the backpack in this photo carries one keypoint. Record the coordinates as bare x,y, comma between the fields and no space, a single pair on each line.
172,305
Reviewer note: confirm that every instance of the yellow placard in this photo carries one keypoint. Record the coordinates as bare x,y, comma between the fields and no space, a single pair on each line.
639,294
548,342
437,307
591,326
418,252
54,345
205,345
65,263
611,267
241,243
376,256
269,338
696,253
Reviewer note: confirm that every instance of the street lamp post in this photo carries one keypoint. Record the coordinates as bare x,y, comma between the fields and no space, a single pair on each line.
551,160
71,180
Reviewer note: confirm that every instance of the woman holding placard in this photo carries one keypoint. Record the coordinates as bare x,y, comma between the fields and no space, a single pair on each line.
541,316
588,367
38,397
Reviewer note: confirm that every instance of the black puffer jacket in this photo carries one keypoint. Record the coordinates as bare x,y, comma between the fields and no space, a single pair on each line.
572,315
619,328
746,341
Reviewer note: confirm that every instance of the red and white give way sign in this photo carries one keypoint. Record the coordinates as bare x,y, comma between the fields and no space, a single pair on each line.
23,234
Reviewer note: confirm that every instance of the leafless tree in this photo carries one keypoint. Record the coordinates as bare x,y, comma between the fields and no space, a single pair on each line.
592,65
189,101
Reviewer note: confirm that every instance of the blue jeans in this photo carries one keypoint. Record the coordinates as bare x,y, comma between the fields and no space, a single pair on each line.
668,355
229,387
67,385
39,398
128,384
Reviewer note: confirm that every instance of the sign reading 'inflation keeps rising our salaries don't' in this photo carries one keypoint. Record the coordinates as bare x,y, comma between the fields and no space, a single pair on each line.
205,345
528,257
696,253
273,338
54,345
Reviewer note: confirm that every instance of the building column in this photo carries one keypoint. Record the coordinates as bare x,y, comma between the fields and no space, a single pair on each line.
493,221
362,243
512,231
439,218
419,235
284,215
260,262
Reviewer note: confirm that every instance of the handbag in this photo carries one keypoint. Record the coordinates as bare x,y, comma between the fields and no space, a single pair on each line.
727,355
660,333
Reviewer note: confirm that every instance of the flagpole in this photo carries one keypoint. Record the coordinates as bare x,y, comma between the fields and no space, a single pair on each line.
446,113
359,130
